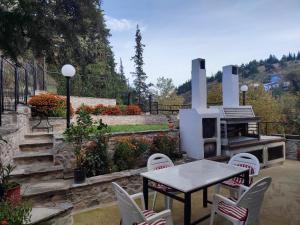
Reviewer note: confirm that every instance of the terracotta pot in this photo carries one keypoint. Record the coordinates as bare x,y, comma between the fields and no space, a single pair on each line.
13,195
4,222
171,125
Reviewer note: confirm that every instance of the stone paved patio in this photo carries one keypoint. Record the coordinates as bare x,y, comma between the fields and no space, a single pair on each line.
281,205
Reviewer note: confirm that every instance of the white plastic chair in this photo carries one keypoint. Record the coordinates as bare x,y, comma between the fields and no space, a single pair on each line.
131,214
245,160
245,210
155,162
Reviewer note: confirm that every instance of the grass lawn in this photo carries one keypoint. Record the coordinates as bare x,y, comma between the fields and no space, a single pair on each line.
138,127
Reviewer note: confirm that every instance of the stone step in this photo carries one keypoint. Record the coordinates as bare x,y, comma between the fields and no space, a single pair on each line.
58,214
34,158
39,136
36,146
46,192
37,173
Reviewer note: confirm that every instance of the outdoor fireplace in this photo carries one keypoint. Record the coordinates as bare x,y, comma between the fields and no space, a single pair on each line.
200,125
224,130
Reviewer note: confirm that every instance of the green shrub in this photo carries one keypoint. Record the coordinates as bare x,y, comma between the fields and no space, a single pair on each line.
90,139
19,214
166,145
97,161
129,153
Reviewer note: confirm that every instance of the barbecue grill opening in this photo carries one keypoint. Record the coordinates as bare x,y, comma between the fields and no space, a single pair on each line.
210,149
209,127
275,152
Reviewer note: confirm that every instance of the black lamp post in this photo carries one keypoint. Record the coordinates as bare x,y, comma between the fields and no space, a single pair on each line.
244,89
68,71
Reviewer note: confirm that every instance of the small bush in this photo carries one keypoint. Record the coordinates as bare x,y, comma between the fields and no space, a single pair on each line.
123,109
48,104
98,109
166,145
129,153
87,109
112,110
97,161
133,110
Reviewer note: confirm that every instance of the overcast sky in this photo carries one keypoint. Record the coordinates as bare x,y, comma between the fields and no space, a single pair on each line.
221,31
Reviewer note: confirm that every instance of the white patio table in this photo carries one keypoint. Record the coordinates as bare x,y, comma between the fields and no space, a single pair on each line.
189,178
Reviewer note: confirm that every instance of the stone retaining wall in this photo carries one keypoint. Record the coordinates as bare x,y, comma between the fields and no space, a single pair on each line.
77,101
13,130
136,119
148,135
292,146
63,152
94,192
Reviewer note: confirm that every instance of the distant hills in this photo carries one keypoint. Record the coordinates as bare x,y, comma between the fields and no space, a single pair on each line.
263,71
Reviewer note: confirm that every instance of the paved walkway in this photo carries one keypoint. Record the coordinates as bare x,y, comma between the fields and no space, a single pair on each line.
281,205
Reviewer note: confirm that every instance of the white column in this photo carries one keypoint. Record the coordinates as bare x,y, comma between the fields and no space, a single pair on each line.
199,90
230,84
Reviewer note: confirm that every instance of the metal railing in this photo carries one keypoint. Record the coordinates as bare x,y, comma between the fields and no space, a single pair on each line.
156,108
18,82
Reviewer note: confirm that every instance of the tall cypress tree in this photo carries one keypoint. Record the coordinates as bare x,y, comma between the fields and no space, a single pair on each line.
140,84
121,70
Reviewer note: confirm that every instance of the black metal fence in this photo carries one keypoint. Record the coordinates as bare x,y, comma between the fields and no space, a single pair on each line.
156,108
18,83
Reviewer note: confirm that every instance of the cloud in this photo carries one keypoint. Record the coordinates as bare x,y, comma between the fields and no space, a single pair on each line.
120,24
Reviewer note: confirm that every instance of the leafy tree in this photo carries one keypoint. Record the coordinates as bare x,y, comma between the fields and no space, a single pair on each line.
294,78
140,84
165,86
66,31
290,107
264,104
185,87
167,93
214,95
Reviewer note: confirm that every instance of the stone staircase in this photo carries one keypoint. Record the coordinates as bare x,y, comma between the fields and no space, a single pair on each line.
35,161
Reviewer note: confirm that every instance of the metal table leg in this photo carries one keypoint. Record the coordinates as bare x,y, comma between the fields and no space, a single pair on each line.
205,197
145,192
187,208
246,178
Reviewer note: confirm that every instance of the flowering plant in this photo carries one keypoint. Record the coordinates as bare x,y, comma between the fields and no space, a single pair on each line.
49,104
133,110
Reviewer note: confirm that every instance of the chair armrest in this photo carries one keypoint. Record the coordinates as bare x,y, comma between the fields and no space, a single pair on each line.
242,189
139,196
219,198
166,214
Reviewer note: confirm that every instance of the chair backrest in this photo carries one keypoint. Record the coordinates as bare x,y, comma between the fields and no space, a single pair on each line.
159,161
246,160
253,198
129,210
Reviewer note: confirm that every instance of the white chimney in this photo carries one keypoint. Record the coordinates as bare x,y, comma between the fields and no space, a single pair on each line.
199,91
230,83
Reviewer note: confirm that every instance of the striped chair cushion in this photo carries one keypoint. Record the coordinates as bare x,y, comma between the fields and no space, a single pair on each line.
160,186
237,181
147,214
235,212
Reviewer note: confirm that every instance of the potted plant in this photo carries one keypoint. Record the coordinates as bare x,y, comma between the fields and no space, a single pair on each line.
9,190
79,171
